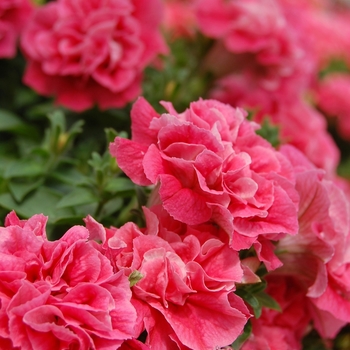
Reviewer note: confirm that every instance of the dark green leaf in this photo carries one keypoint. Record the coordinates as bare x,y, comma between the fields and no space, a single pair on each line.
19,190
243,337
251,300
40,111
111,207
70,177
256,287
121,184
269,132
24,97
78,196
24,168
44,200
266,300
111,134
9,121
4,164
69,220
86,209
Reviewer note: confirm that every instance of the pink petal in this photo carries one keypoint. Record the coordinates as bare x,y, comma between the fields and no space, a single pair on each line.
142,114
129,155
183,204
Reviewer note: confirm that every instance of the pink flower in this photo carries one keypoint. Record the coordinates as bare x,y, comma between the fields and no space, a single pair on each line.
264,44
63,293
297,120
184,298
13,16
87,52
332,97
179,18
322,246
209,166
320,19
273,64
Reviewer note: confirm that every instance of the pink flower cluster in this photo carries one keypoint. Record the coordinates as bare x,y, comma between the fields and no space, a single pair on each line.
91,52
218,192
217,183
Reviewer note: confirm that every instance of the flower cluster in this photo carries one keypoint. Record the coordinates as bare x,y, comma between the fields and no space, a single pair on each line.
219,189
203,230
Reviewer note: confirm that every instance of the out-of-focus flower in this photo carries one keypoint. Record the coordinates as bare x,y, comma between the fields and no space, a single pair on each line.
259,36
332,97
92,52
179,18
321,19
13,16
268,65
64,293
295,117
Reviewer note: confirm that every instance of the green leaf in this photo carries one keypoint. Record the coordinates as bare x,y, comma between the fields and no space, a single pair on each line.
25,97
334,66
100,163
19,190
4,164
12,123
269,132
266,300
251,300
69,220
120,184
256,287
44,201
237,344
40,111
24,168
78,196
68,137
9,120
111,207
344,168
111,134
70,177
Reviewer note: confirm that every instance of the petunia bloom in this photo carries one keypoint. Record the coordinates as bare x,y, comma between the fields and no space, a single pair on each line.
94,51
184,296
210,166
62,293
317,258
